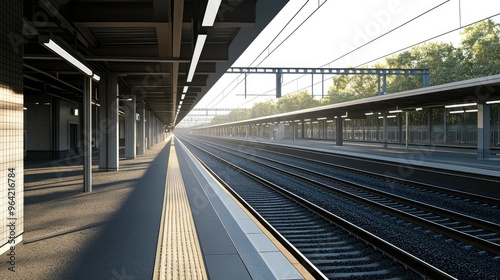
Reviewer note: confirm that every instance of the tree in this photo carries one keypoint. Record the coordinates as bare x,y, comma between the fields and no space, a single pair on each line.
481,49
443,60
296,101
261,109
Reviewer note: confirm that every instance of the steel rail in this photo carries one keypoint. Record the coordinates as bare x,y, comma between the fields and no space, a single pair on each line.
455,234
405,258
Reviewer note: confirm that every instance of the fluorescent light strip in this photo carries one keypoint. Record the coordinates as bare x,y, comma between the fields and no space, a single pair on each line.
395,111
418,109
493,102
460,105
320,119
185,89
471,111
196,55
96,77
71,59
368,114
457,112
183,96
211,12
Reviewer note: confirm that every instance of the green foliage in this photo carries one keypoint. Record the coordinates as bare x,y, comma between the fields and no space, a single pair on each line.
477,56
297,101
261,109
233,116
481,49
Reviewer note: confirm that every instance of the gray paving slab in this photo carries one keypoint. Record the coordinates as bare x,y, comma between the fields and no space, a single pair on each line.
110,233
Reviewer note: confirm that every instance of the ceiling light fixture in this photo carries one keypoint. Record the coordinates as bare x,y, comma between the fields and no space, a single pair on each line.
395,111
96,77
211,12
49,43
492,102
183,96
185,89
460,105
196,55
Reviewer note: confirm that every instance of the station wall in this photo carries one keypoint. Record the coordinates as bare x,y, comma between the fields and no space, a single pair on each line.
11,130
52,127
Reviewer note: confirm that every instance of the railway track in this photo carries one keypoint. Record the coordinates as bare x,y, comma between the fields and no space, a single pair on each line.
453,181
470,230
435,220
338,248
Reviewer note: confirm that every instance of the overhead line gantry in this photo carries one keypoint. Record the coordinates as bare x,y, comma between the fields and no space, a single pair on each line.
380,72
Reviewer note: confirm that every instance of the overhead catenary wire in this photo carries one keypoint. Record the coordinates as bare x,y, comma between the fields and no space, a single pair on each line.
367,43
267,47
383,56
364,45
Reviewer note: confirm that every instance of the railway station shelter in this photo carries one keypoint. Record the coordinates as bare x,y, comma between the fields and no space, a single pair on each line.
464,113
104,80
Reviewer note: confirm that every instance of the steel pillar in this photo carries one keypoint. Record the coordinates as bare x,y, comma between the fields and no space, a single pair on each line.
109,123
483,131
130,128
87,133
339,131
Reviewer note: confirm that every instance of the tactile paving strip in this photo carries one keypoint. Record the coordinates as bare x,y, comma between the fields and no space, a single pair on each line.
181,256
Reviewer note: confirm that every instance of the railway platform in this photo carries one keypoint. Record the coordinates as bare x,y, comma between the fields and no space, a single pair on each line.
116,231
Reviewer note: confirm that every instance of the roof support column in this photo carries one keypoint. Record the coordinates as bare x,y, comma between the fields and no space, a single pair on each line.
483,131
147,129
445,126
130,128
141,129
109,123
281,131
400,127
429,126
153,129
339,131
87,134
293,131
407,130
247,128
303,130
385,130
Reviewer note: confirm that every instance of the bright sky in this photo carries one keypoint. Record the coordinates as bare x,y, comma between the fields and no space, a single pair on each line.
335,29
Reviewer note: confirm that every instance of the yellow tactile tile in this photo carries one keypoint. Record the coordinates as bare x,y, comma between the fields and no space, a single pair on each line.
180,256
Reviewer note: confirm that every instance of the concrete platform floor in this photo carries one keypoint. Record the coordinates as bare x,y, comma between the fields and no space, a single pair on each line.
69,234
